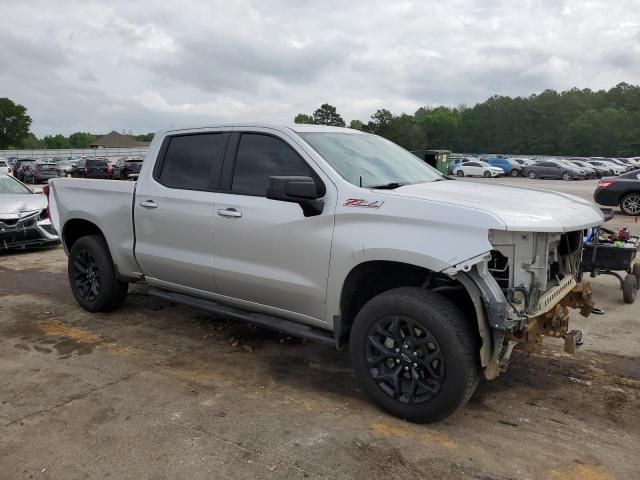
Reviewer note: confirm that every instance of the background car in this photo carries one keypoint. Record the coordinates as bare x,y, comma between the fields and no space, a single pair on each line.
21,166
24,221
478,168
5,167
622,191
91,168
127,167
523,161
613,168
551,169
40,171
582,172
510,167
597,172
65,167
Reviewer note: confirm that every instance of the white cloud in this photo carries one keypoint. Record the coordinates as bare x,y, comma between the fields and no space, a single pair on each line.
146,65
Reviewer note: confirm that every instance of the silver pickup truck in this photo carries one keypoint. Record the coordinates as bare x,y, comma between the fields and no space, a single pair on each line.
342,237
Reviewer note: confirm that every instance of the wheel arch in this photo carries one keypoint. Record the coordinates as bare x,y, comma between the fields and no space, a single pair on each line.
77,228
371,278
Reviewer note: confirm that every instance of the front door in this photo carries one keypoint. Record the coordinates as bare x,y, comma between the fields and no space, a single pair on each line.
173,211
267,254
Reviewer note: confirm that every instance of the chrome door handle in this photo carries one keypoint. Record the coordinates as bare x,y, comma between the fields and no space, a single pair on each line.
148,204
229,212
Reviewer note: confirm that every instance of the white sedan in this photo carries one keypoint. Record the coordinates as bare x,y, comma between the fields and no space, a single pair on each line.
478,168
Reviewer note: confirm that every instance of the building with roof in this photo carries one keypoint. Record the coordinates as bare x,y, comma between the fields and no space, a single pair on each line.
117,140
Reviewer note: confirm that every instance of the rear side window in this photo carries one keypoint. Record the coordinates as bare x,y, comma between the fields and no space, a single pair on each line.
260,157
194,162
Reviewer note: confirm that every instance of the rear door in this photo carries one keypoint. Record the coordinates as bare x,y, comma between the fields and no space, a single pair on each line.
173,211
472,168
267,254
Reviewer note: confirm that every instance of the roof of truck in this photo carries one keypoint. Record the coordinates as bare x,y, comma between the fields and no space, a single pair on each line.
296,127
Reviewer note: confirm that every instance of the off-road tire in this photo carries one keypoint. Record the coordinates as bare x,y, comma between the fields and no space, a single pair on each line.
455,341
629,288
532,175
111,292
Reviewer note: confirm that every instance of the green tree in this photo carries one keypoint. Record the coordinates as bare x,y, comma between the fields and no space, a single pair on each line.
82,139
57,141
327,115
304,118
380,120
31,142
14,123
356,124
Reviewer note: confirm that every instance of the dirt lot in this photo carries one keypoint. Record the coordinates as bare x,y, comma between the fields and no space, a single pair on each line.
158,391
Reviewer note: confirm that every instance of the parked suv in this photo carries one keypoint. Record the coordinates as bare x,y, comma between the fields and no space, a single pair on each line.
342,237
91,168
40,171
21,166
127,168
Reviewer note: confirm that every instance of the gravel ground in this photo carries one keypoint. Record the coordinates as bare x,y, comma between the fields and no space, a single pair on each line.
156,391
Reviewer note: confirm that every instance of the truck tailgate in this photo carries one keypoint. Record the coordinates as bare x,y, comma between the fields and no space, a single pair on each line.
105,203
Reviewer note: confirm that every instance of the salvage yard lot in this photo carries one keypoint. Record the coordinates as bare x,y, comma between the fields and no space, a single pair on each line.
156,390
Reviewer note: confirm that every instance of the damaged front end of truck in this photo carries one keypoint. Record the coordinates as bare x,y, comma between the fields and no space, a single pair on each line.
523,290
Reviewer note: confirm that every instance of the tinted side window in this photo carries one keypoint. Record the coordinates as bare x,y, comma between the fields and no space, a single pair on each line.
473,164
260,157
193,162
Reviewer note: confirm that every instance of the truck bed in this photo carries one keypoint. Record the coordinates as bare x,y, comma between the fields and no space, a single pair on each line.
105,203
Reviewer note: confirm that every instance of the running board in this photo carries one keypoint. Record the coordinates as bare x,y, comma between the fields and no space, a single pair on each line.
274,323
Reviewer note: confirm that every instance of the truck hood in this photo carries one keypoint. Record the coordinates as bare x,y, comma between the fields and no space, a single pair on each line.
13,206
518,208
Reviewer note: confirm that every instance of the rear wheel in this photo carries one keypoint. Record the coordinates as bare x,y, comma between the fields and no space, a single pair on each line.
460,173
629,288
515,173
636,271
532,175
630,204
487,174
92,275
566,176
414,354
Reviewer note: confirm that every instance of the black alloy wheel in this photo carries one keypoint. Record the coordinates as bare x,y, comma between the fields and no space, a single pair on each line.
86,275
405,360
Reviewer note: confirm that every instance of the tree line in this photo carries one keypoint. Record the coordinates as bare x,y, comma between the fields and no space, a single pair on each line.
573,122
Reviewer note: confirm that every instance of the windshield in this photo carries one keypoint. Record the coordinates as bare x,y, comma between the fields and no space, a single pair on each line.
8,185
369,160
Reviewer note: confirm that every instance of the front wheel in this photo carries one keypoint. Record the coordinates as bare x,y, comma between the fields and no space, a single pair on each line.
92,275
630,204
414,354
566,176
487,174
515,173
532,175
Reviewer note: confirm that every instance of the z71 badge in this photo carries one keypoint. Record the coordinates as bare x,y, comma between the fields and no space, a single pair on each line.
360,202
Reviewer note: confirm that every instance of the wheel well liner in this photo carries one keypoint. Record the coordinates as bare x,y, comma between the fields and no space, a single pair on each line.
77,228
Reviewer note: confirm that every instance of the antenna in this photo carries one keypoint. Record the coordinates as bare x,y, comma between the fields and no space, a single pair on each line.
360,181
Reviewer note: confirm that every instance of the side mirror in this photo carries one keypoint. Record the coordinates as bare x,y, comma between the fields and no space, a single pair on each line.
301,190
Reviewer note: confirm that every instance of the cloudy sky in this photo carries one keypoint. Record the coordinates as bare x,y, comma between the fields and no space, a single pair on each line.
153,64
